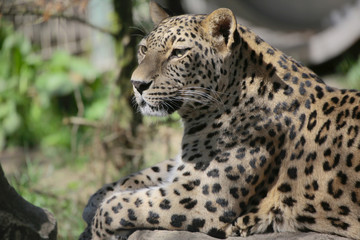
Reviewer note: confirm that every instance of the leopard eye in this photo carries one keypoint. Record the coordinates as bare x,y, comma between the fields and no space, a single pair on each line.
179,52
143,49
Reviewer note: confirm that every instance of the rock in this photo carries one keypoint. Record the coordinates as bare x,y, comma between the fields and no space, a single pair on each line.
20,219
181,235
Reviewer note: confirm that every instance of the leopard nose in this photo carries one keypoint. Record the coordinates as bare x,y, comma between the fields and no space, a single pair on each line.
141,85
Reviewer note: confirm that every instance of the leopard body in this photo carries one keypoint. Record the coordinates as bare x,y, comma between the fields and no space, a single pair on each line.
267,145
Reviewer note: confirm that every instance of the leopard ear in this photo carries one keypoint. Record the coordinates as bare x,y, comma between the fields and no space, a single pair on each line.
157,13
221,26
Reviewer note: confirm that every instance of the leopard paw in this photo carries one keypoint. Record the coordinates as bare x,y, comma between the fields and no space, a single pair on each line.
241,227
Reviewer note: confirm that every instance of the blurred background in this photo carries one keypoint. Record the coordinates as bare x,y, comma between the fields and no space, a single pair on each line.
68,123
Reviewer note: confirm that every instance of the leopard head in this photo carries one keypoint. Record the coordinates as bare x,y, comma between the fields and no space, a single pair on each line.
183,60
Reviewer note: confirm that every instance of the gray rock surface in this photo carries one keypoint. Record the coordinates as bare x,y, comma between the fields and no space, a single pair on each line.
178,235
19,219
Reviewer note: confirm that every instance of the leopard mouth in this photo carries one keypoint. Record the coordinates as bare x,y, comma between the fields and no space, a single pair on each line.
163,108
171,105
142,103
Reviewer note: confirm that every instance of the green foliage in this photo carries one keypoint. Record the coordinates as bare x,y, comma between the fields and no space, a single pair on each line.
66,209
350,67
353,75
36,94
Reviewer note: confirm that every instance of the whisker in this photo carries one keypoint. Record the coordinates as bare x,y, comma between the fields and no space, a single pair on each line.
140,29
137,35
182,98
206,89
200,94
217,93
191,98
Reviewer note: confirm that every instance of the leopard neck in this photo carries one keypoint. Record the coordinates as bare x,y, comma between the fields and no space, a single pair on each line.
262,86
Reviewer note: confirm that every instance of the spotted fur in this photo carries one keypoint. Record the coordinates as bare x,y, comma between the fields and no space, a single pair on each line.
267,145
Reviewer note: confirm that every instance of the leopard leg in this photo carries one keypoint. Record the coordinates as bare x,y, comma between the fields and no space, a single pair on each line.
249,224
155,175
261,218
189,203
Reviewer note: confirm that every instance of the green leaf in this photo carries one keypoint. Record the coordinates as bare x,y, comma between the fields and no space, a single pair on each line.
56,138
83,68
25,46
59,61
10,41
2,139
97,109
4,109
24,78
56,83
33,59
353,76
11,122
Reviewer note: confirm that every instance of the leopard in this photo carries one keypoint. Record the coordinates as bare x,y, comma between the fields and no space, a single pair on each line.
267,146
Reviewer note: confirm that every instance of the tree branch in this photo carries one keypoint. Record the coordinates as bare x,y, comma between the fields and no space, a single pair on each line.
81,121
11,11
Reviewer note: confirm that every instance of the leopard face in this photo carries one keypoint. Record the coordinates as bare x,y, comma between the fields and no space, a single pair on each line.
173,73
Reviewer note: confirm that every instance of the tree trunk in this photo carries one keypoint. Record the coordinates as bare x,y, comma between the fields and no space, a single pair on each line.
20,219
126,40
